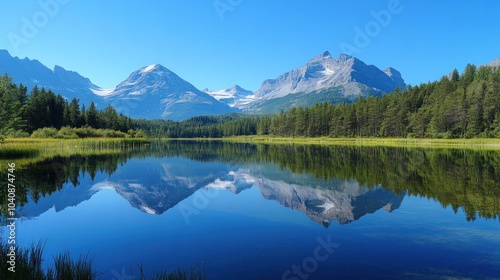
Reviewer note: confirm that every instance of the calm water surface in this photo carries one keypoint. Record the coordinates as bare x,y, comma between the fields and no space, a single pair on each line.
246,211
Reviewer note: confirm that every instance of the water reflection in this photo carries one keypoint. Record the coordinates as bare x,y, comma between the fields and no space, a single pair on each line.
344,201
326,183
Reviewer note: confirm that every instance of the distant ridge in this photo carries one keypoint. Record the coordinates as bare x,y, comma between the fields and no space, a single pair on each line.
32,73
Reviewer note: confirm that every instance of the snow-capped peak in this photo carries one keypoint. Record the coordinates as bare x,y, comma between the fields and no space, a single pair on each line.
323,72
156,92
149,68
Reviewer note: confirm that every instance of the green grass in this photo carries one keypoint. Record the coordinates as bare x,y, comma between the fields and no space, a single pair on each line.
18,152
29,149
477,143
178,274
29,266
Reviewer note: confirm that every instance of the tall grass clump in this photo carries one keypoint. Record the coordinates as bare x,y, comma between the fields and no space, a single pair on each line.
18,152
180,273
28,263
67,269
28,266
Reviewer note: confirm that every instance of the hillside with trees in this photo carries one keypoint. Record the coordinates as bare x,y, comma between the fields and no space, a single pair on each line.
457,106
22,114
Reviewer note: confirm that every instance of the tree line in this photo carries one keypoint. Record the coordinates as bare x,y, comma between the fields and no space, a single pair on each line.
216,126
21,113
457,106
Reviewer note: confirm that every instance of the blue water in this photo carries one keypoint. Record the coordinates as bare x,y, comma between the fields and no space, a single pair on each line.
256,221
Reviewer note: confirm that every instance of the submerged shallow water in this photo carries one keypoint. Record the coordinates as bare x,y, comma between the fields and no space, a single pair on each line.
244,211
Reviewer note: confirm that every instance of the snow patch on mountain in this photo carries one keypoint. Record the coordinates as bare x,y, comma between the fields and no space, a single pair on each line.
149,68
102,91
234,96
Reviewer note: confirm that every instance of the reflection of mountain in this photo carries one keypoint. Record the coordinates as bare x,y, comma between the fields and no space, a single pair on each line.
157,177
345,202
160,184
68,196
152,185
155,185
325,206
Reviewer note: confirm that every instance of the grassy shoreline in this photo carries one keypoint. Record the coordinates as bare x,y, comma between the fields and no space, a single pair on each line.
31,148
476,143
77,145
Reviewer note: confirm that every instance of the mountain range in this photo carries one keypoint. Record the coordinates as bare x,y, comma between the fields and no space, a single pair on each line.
155,92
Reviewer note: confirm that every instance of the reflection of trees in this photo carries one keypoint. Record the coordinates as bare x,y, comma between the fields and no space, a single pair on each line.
456,178
49,175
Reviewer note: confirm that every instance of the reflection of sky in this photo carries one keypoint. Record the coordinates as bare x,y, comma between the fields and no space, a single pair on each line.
245,236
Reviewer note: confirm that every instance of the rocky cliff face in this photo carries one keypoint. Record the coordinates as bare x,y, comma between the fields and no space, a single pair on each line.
324,72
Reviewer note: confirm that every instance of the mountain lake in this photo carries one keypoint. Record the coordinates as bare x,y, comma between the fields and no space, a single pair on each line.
259,211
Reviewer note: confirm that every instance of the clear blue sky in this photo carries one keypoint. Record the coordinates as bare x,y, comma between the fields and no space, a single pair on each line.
248,41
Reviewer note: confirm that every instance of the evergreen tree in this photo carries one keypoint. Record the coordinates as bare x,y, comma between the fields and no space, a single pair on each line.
83,114
91,116
9,107
108,118
74,113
